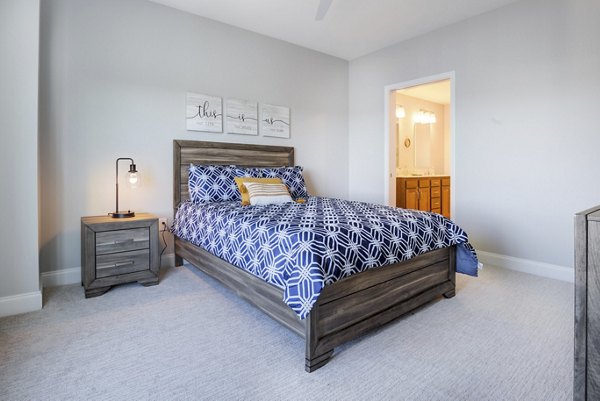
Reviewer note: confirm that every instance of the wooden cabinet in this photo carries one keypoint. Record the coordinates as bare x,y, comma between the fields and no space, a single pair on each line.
587,306
436,195
445,197
430,194
117,251
424,195
410,195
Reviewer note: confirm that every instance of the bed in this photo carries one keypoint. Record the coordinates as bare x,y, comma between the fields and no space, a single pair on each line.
344,309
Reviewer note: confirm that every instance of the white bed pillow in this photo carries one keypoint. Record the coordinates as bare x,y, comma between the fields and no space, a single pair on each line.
267,193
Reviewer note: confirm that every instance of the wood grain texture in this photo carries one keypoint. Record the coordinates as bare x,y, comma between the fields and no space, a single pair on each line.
580,372
360,305
88,258
113,264
593,311
451,270
122,240
106,223
345,309
445,200
586,379
314,357
118,251
393,312
429,194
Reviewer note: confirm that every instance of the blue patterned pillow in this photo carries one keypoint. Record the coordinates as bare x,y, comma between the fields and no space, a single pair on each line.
253,172
291,176
212,183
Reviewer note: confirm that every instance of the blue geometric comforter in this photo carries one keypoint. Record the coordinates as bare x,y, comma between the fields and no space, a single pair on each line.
303,247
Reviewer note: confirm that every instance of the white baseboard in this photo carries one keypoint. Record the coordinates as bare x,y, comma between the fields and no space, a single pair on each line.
73,275
556,272
21,303
61,277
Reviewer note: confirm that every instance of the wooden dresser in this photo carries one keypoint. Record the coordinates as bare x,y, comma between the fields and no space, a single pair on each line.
430,194
117,251
587,305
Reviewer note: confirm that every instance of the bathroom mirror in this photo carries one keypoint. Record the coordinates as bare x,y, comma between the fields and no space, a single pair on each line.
423,145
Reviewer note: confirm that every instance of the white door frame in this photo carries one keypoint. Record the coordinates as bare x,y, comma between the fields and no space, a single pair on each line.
389,135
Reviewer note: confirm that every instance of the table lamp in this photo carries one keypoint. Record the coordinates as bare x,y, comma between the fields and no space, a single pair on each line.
133,179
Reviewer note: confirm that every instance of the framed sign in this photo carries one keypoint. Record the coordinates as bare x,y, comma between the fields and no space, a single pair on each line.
275,120
204,113
241,117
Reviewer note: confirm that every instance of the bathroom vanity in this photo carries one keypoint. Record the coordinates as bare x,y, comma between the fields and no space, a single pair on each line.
426,193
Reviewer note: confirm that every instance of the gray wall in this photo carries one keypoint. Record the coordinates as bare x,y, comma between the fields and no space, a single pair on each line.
19,32
114,75
527,143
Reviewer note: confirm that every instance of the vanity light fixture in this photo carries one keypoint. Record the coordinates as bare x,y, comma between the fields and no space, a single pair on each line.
418,117
431,118
425,117
133,180
400,112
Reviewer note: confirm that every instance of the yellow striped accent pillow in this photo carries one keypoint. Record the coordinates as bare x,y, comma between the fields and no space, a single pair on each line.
267,194
244,192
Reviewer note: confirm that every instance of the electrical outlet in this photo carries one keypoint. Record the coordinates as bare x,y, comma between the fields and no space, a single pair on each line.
162,224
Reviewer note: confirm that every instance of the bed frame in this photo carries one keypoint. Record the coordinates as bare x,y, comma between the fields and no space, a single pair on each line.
345,309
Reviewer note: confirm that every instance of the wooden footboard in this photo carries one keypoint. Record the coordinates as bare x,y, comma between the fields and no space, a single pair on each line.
345,309
357,304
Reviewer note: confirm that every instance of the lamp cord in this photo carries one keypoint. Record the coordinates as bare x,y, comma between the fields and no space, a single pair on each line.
165,247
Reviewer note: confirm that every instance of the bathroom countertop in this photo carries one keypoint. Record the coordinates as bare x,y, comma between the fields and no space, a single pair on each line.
422,176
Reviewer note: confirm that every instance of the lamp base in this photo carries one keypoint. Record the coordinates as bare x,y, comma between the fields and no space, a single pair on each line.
122,214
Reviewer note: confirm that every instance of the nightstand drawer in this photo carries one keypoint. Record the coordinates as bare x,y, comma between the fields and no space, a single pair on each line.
122,263
122,240
435,204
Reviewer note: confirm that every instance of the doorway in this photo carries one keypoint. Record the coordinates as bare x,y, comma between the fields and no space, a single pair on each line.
419,142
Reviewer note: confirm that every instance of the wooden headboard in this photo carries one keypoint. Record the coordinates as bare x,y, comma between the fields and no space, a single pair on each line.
202,152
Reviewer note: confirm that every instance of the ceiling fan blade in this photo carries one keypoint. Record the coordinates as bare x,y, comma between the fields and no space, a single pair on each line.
322,10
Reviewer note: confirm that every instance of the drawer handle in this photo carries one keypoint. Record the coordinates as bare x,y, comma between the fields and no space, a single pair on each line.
118,242
118,264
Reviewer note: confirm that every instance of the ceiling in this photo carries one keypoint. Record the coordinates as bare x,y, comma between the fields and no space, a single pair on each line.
350,29
436,92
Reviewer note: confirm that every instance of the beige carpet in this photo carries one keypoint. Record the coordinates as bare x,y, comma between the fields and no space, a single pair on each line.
505,336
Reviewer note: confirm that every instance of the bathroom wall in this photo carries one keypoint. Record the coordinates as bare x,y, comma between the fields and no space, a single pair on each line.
435,134
447,140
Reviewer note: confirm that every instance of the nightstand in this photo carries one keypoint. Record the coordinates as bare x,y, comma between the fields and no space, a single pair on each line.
118,251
